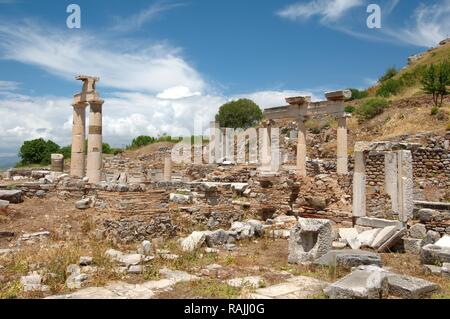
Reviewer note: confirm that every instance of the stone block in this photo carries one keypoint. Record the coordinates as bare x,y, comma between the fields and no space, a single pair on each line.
12,196
348,258
410,287
444,242
377,222
309,240
418,231
365,282
351,237
434,255
193,241
392,241
385,234
367,237
412,245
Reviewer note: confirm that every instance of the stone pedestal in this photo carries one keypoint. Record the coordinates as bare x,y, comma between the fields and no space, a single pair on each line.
359,186
94,158
168,169
342,153
301,148
77,164
57,163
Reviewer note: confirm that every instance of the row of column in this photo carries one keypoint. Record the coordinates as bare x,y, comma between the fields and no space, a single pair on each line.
95,143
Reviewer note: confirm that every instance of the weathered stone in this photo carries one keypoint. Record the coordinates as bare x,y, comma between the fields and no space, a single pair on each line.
181,198
392,241
217,238
33,282
365,282
348,258
3,205
338,245
84,203
418,231
377,222
426,215
4,233
351,237
383,236
85,261
193,241
316,202
410,287
412,245
431,238
434,255
247,229
73,269
145,248
40,193
309,240
37,235
75,280
125,259
135,269
432,269
12,196
367,237
444,242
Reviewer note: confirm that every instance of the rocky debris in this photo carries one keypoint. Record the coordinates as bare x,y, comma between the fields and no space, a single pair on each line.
377,222
348,258
299,287
218,238
12,196
84,203
75,280
431,238
427,215
365,282
248,229
181,198
384,235
33,282
135,269
145,248
412,245
432,269
418,231
127,259
350,235
251,281
40,193
444,242
309,240
193,242
367,237
434,255
37,235
316,202
409,287
392,241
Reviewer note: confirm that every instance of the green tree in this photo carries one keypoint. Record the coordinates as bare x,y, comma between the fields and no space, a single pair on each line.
140,141
243,113
389,74
357,94
37,151
436,80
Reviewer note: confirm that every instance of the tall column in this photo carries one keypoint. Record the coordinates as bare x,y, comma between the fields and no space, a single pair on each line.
168,169
301,147
342,153
405,186
391,178
94,157
359,186
77,164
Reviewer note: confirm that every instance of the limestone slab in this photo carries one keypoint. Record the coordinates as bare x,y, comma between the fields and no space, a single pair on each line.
410,287
383,236
351,236
377,222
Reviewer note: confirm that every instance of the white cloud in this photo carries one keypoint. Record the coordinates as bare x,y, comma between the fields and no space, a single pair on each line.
8,85
431,25
328,10
137,20
135,66
177,92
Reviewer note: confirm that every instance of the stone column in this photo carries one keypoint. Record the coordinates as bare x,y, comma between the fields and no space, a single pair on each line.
168,169
405,186
359,186
214,140
301,148
391,178
264,148
342,153
94,157
77,163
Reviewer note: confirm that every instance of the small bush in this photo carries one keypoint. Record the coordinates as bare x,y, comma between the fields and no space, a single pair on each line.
389,74
434,110
357,94
349,109
389,87
371,108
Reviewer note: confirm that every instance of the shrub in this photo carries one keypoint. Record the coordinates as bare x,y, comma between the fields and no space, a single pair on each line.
436,80
434,110
389,87
389,74
357,94
371,108
349,109
37,151
243,113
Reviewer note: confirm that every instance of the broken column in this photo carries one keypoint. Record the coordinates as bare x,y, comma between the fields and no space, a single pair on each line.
77,163
94,157
264,148
359,186
57,162
405,186
391,178
168,169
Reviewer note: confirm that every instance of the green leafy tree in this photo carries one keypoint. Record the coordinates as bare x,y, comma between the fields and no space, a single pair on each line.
66,151
436,81
243,113
37,151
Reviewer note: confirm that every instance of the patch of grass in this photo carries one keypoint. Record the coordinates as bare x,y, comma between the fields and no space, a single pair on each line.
11,290
371,108
318,296
208,288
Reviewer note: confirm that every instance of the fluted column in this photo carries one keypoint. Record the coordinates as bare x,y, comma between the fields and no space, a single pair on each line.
94,157
77,164
342,152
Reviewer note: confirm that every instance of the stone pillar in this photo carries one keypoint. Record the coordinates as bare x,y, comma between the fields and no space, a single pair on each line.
359,186
301,148
342,153
405,186
264,148
391,178
94,157
275,154
168,169
77,163
214,142
57,163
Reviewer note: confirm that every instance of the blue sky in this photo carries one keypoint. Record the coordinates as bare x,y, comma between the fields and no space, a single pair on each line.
164,63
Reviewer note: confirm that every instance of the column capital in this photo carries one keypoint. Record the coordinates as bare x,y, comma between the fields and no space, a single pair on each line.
96,102
79,104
